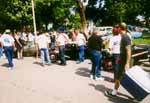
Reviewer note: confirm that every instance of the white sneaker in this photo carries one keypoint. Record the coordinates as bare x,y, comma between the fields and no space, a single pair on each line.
114,92
91,76
10,68
99,78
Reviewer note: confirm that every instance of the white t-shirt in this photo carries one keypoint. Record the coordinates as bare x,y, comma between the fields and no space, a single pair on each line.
114,44
30,37
7,40
42,41
23,36
80,39
62,39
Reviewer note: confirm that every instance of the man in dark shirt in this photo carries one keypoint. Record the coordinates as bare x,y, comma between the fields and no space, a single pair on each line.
125,56
95,44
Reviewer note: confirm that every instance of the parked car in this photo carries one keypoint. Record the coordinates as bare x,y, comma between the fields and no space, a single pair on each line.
136,32
105,30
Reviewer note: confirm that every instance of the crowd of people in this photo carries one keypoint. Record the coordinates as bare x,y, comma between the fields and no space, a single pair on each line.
44,42
119,46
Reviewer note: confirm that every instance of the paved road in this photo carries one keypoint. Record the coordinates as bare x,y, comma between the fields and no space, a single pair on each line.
31,83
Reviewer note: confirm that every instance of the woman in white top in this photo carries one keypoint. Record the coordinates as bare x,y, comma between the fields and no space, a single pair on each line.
114,47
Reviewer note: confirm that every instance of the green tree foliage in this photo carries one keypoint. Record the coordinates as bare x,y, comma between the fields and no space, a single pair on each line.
16,13
54,11
115,11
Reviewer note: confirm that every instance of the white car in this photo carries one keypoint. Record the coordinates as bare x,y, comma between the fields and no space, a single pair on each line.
105,30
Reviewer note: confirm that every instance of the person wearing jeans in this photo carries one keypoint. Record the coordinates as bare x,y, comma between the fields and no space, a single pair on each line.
80,42
43,45
61,40
7,42
44,54
81,53
62,55
9,54
94,45
96,57
1,51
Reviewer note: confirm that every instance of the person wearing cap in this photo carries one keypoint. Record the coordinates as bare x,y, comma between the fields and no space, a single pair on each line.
125,57
95,43
114,48
8,44
61,41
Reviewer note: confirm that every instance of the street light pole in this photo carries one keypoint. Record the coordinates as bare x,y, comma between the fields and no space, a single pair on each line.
33,15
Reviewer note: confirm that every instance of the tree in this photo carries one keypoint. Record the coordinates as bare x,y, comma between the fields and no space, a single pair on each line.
82,13
17,12
52,11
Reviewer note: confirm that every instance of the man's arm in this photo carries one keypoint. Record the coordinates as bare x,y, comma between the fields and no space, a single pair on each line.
128,56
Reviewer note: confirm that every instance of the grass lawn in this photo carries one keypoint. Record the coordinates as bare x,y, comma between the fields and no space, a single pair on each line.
143,40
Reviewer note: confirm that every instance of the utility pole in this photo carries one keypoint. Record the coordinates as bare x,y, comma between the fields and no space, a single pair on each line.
34,22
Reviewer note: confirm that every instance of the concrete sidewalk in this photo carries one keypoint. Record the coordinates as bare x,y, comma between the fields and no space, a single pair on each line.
31,83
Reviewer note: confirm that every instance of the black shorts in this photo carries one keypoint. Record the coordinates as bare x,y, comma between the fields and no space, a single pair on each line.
121,71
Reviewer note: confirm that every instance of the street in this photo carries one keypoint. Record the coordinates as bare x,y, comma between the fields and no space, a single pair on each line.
29,82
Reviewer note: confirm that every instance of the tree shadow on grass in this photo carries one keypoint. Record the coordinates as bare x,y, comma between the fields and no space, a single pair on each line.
120,98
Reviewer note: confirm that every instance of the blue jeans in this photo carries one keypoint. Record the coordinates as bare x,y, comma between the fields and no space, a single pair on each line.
62,54
1,52
9,54
81,53
44,53
116,62
96,57
52,45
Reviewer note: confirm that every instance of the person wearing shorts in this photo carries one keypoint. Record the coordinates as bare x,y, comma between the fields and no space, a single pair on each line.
125,57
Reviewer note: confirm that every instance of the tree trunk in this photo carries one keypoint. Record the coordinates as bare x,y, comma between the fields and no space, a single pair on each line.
82,15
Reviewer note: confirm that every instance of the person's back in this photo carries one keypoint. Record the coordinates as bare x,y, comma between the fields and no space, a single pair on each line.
80,39
95,42
8,44
61,39
43,45
42,41
7,40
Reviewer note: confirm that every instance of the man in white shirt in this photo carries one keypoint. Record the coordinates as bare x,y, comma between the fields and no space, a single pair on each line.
81,42
8,44
43,45
61,40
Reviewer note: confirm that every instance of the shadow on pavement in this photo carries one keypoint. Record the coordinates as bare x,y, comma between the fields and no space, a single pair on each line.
109,79
121,98
38,63
85,72
5,65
